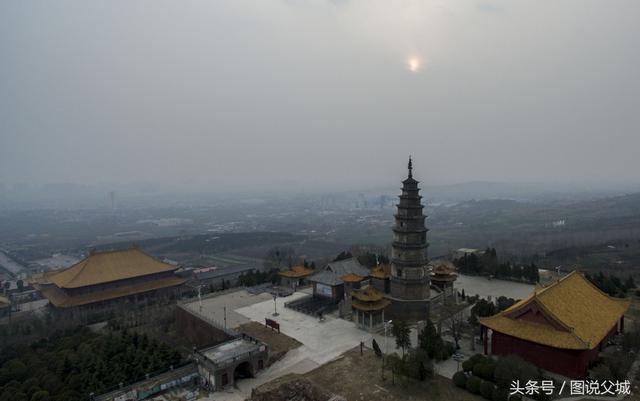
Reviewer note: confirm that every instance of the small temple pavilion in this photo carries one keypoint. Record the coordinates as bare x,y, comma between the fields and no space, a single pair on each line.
443,275
104,278
352,282
380,278
368,305
560,328
296,276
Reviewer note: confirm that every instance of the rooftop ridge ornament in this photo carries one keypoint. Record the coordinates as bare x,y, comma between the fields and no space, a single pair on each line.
410,167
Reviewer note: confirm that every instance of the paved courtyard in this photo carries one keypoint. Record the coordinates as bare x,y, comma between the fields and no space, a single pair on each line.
213,306
476,285
324,341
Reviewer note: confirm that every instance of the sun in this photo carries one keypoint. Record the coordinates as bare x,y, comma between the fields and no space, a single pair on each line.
414,64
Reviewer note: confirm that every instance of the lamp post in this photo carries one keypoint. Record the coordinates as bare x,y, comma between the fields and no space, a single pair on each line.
275,310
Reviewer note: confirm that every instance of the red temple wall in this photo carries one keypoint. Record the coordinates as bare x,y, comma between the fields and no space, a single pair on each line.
570,363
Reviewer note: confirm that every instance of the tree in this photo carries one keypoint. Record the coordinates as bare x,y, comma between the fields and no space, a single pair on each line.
279,258
504,302
454,321
401,331
396,365
429,340
419,366
629,283
343,255
483,308
40,395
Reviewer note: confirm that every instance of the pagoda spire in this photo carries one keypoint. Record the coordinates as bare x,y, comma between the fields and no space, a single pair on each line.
410,167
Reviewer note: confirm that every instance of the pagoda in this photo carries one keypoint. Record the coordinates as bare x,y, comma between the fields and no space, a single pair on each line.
409,271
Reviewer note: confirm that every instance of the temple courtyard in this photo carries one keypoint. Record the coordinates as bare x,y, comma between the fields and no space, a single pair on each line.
323,342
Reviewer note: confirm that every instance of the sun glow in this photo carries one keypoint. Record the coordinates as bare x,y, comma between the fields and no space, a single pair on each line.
414,64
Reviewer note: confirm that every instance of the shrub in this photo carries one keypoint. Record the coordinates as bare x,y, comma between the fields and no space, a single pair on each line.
619,363
467,365
460,379
473,384
486,389
500,394
478,358
487,370
477,369
601,372
484,370
512,368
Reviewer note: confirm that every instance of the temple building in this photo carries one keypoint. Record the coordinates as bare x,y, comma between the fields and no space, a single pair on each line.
443,275
105,278
380,278
368,305
332,286
409,293
295,277
352,282
560,328
328,282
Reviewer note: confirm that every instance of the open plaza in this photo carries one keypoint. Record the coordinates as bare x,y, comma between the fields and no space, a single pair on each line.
323,340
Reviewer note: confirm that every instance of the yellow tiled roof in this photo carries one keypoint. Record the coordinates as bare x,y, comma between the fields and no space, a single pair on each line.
370,306
297,272
367,294
352,278
586,313
381,271
443,270
61,300
104,267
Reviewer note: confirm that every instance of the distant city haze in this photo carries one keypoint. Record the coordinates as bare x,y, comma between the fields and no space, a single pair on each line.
246,93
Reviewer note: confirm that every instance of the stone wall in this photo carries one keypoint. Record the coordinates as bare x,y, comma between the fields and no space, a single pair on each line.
199,332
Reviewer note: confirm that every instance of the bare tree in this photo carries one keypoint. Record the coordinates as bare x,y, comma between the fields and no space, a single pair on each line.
280,257
454,322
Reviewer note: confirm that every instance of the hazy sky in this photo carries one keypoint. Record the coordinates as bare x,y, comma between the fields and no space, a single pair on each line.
243,91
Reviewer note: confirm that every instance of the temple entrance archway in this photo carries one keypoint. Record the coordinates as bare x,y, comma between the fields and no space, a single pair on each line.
243,371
